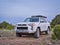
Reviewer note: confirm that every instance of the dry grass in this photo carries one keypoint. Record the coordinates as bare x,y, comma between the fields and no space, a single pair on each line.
6,33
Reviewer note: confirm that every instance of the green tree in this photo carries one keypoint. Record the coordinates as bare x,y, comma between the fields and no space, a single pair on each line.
9,27
55,21
5,25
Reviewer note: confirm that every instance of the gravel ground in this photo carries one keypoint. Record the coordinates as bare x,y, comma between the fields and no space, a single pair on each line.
24,40
11,39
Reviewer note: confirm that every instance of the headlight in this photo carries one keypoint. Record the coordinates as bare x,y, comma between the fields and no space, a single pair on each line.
33,24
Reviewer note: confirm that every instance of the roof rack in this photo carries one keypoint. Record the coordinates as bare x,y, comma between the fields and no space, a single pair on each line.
39,16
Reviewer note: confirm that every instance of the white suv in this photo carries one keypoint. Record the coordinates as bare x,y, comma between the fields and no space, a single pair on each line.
34,25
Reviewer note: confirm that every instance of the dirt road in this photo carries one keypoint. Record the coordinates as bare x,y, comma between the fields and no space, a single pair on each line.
8,37
25,40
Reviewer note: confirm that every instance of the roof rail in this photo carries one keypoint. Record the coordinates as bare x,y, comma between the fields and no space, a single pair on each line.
39,16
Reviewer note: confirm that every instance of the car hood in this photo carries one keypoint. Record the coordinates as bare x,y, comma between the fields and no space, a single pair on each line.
28,22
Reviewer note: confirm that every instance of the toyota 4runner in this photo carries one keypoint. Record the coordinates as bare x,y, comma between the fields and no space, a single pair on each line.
33,25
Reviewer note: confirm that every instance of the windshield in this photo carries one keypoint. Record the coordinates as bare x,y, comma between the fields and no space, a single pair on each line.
34,19
27,20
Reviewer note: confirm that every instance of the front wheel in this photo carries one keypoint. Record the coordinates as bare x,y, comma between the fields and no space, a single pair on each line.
37,33
18,34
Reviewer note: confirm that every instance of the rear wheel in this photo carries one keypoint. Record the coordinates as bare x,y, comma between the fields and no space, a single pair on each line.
47,32
18,34
37,33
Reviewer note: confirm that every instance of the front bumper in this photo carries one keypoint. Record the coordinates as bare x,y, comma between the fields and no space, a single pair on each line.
28,30
22,31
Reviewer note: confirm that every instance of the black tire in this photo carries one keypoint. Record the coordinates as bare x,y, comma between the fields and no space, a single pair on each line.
47,32
37,33
18,34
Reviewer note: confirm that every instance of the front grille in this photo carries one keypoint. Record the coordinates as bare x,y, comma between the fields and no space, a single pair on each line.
21,24
22,27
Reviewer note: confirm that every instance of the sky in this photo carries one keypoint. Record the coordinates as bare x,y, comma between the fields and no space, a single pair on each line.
14,11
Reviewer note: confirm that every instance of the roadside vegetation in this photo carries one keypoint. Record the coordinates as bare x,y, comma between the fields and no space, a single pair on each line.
55,21
55,25
56,32
6,29
7,33
6,25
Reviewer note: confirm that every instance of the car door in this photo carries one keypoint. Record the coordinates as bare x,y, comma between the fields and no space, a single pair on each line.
43,24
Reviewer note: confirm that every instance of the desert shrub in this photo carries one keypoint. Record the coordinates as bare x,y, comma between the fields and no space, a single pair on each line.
56,32
53,37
